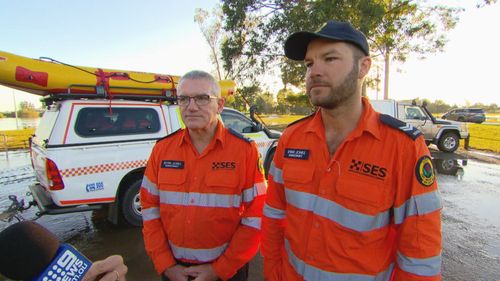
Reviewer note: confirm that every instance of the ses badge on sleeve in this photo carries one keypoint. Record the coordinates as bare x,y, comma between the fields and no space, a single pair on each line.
425,171
260,165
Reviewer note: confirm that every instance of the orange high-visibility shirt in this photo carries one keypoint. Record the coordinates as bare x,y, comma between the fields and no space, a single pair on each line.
203,208
371,211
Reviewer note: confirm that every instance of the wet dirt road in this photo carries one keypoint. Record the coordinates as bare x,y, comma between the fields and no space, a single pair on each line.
471,222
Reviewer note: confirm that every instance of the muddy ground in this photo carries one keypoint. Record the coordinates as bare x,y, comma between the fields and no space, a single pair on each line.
471,221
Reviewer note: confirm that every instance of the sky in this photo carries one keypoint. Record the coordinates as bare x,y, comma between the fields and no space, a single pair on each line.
160,36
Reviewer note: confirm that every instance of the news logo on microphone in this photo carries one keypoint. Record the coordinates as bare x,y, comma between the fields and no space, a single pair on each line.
68,265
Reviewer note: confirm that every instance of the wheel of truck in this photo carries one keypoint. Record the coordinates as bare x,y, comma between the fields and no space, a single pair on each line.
446,166
131,204
448,142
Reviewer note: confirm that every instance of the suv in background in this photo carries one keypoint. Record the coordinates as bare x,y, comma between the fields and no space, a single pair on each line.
445,135
475,115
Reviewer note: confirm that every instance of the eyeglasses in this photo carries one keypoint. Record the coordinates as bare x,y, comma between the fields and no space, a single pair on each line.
200,100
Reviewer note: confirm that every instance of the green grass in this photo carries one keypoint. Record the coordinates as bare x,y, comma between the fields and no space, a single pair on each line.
279,122
280,119
484,137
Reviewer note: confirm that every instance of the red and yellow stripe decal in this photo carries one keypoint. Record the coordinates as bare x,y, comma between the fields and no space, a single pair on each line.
102,168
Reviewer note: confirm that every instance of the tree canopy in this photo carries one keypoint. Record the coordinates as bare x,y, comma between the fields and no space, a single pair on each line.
257,30
27,110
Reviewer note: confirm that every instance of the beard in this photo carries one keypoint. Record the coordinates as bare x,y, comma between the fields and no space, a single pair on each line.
337,95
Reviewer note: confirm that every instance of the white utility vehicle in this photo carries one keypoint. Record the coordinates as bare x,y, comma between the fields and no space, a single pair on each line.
91,153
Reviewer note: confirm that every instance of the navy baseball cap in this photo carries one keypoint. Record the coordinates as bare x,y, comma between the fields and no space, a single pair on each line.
296,44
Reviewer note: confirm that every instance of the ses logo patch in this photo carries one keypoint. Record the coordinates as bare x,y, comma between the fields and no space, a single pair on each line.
223,165
424,171
368,169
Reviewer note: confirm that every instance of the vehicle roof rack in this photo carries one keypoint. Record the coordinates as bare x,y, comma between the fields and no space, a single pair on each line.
83,91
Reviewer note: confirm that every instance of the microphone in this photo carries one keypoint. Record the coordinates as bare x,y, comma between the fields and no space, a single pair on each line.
31,252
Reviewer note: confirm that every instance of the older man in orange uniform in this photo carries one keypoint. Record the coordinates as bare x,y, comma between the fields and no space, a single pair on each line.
352,193
203,192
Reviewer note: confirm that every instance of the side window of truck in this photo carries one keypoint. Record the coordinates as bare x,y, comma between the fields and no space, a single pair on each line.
101,121
414,113
237,122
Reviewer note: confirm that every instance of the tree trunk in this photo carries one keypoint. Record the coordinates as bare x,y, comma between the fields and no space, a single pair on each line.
387,60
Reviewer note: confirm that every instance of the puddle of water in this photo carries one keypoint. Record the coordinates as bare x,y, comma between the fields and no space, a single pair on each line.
488,174
485,207
13,159
471,194
478,191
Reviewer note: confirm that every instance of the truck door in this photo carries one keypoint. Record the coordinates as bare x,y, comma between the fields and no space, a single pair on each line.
414,115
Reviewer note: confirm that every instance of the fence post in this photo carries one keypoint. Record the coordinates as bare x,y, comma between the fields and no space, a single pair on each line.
6,146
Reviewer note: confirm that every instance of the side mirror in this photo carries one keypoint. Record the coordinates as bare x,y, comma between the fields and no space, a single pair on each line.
253,129
258,127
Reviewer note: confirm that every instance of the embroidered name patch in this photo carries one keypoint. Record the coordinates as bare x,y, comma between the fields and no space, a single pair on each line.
302,154
172,164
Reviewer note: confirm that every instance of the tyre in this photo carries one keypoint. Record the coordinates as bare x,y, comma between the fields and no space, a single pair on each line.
446,166
130,203
448,142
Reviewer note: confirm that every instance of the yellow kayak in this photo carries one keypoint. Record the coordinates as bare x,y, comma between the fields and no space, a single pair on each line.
49,77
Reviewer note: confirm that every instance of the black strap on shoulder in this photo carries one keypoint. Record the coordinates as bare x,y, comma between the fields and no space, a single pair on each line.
238,135
300,120
408,129
169,135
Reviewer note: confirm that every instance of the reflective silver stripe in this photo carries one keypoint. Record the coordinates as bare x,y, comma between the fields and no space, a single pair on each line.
336,212
149,186
202,255
277,173
418,205
252,222
274,213
150,214
257,189
200,199
423,267
309,272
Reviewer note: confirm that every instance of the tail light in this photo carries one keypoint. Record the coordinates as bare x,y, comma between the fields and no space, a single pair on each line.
53,175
